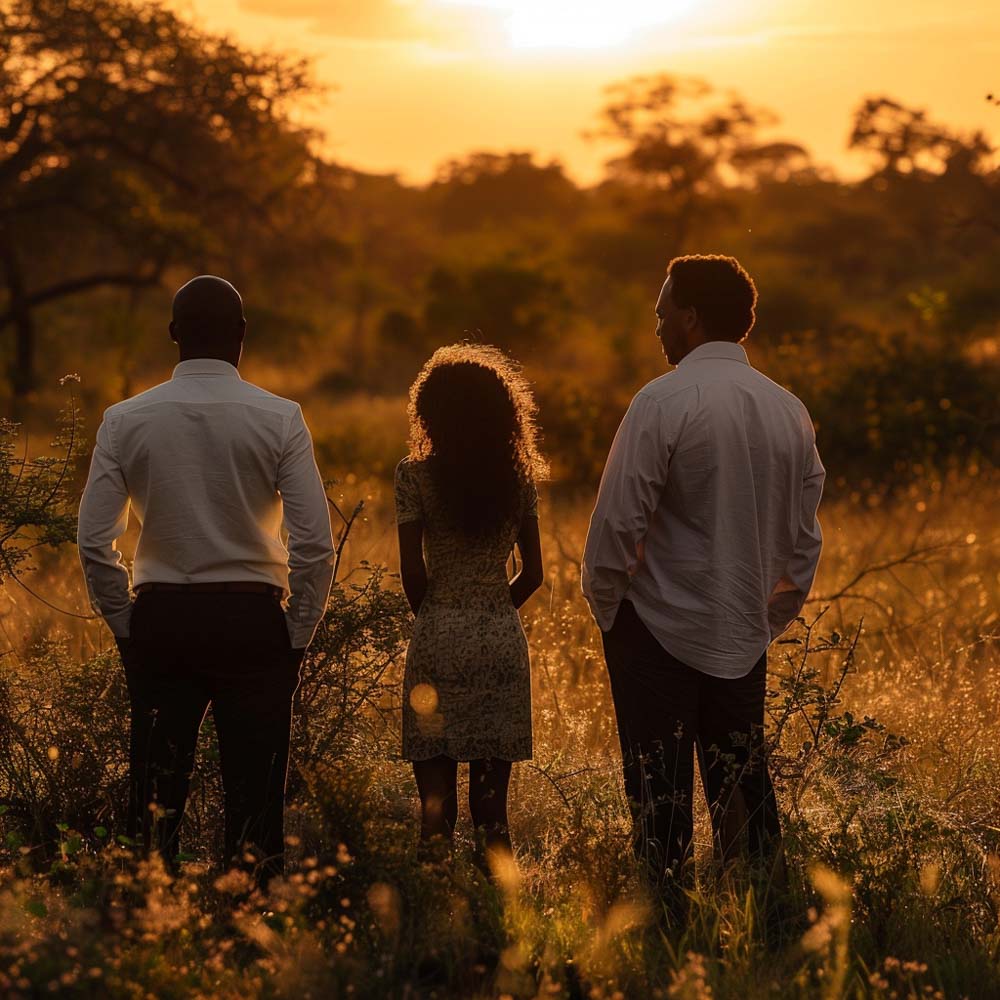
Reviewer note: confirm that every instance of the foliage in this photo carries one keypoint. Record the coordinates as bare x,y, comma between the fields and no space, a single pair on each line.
889,407
64,741
504,303
682,136
349,690
885,766
500,190
903,140
684,143
130,138
37,496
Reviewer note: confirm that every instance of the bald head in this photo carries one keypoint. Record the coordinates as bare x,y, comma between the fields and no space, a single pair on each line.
207,319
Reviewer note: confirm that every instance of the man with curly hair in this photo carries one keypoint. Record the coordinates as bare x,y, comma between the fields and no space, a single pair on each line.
702,548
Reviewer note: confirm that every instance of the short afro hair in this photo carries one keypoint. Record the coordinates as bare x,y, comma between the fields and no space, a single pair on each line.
720,291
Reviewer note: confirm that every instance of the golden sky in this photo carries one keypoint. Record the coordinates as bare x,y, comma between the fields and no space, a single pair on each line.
419,81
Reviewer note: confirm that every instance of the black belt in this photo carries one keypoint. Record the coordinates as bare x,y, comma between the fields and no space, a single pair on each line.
231,587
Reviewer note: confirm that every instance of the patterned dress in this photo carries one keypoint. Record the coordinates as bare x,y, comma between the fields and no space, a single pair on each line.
467,682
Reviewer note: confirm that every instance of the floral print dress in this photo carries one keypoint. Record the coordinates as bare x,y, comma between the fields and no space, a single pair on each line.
467,681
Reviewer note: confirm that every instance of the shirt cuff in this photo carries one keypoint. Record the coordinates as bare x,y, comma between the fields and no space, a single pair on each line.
604,611
300,634
120,622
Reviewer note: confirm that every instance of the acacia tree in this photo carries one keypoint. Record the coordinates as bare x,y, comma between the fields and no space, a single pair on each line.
130,140
903,141
685,141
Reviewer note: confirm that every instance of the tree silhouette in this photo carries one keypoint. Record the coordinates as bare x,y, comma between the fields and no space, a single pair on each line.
904,141
129,140
494,188
685,141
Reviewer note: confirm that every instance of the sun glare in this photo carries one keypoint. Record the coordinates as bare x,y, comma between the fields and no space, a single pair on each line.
583,24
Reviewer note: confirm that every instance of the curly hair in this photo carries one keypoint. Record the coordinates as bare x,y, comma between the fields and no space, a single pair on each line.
472,419
721,291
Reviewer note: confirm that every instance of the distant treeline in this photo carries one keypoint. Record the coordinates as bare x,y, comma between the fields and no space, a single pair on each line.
135,149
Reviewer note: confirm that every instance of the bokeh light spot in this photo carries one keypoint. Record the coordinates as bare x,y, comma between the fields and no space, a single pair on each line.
424,699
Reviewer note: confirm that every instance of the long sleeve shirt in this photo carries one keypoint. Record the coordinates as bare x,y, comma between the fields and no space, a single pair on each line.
706,515
211,466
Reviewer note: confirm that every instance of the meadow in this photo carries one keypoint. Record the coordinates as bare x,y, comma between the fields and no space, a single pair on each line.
138,149
883,728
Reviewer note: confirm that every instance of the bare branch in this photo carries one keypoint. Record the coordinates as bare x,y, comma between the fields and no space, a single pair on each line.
913,556
124,279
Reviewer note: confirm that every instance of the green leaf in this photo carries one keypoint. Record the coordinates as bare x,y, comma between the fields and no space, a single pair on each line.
100,831
36,908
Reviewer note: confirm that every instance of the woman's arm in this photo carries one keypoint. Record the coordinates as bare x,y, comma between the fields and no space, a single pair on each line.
530,548
412,570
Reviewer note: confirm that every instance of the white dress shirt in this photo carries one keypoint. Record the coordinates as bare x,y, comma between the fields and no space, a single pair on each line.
706,515
211,465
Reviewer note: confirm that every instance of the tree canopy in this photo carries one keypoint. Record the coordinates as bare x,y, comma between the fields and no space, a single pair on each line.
130,140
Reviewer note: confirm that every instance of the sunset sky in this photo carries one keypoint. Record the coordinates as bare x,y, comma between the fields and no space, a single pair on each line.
419,81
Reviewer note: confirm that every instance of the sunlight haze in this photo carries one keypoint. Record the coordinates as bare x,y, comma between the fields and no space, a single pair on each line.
416,83
593,24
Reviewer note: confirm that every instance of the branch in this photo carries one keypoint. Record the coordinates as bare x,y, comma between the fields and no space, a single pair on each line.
70,450
8,566
345,532
554,780
914,555
845,668
122,279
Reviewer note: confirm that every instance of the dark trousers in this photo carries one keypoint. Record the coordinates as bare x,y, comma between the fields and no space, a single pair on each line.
667,710
187,651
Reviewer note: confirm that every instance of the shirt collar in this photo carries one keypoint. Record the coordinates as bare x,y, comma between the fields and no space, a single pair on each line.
724,350
205,366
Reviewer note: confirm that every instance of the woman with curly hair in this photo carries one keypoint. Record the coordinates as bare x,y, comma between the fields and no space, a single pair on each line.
465,496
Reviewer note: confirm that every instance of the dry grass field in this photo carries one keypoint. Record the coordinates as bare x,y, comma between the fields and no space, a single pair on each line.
884,723
142,143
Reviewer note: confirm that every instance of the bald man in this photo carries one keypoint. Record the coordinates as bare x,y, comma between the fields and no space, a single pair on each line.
212,466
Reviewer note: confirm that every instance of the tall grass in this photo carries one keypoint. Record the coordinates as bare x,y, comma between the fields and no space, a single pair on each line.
885,729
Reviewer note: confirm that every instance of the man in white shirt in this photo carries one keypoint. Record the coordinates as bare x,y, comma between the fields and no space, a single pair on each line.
211,465
702,549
